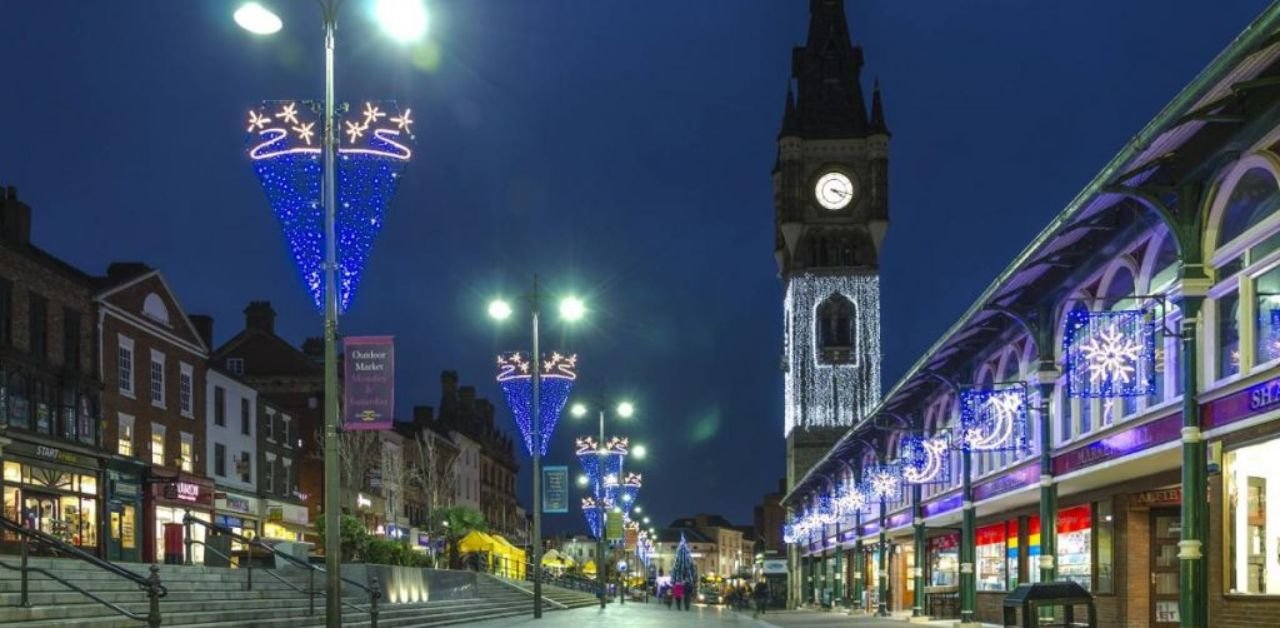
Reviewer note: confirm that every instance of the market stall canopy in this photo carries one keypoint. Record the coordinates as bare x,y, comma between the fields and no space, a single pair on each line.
556,558
476,541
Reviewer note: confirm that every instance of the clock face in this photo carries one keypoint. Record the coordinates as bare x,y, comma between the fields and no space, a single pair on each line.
834,190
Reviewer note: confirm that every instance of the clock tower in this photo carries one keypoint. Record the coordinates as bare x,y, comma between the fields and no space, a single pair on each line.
831,210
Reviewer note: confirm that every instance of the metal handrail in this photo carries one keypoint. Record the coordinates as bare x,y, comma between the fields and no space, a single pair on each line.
375,593
150,584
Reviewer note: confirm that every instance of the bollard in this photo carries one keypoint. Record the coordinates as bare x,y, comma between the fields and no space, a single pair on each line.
374,594
25,603
153,593
186,537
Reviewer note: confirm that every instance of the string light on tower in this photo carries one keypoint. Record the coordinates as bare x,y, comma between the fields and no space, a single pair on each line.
286,156
819,394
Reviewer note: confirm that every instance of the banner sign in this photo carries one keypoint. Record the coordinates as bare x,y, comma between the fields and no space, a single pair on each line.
555,490
613,526
369,386
775,566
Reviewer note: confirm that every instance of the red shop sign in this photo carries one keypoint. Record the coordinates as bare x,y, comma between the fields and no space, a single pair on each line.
1074,519
944,543
991,535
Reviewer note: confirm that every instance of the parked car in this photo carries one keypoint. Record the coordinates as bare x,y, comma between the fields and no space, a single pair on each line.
710,596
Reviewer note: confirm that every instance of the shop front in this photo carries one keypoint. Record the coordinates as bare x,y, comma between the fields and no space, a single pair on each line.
124,510
283,521
54,490
238,513
942,578
170,496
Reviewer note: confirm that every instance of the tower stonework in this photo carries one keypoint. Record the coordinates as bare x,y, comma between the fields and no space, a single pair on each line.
831,199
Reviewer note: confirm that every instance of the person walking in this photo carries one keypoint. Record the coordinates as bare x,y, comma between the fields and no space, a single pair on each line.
761,595
688,595
677,593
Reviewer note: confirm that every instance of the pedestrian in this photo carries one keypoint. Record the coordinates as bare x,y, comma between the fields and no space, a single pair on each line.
677,593
688,594
761,595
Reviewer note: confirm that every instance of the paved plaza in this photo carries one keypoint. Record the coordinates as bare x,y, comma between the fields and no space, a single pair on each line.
651,615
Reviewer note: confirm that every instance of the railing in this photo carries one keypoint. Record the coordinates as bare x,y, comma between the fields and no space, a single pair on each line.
150,584
372,589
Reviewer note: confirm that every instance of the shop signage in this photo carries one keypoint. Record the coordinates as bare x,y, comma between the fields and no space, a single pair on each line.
1243,404
424,539
51,453
1120,444
125,489
1025,476
228,522
555,489
775,566
613,527
275,514
940,506
870,528
899,520
188,492
235,502
369,391
1157,497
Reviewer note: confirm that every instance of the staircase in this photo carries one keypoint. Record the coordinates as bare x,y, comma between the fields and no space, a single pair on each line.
214,597
555,598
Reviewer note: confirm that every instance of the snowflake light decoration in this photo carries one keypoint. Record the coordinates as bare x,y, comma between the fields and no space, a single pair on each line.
1110,354
826,512
286,156
925,459
852,500
516,378
882,481
994,419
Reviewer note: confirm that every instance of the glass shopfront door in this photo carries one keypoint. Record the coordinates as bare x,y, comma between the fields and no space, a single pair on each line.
1166,531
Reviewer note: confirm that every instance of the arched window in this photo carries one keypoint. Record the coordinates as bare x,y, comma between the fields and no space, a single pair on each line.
837,330
1254,197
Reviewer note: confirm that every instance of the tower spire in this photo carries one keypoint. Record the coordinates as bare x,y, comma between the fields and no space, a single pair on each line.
878,126
827,72
790,125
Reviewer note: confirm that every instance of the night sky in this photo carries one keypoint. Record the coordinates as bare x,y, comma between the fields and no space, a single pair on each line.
621,150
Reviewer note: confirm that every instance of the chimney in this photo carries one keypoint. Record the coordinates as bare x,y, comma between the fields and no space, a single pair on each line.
467,394
313,347
449,383
204,327
120,271
260,315
15,217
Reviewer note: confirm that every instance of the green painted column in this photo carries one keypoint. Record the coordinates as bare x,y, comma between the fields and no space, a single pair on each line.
1048,489
917,564
882,573
968,539
837,595
1193,598
859,563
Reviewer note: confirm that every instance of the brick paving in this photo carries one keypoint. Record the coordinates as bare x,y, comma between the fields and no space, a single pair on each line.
652,615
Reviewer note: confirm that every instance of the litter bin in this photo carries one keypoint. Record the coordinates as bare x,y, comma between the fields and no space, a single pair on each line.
173,543
1062,597
220,544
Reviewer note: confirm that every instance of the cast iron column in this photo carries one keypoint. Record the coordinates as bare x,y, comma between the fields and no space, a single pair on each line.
882,573
917,567
968,583
332,481
1193,599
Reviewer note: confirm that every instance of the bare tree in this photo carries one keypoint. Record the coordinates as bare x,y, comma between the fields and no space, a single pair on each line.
431,471
359,452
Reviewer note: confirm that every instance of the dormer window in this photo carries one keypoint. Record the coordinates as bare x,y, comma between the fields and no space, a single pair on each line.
836,331
235,366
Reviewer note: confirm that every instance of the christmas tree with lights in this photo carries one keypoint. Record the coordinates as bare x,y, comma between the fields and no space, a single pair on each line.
683,569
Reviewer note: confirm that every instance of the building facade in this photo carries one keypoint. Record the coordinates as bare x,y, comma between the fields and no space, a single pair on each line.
231,408
153,369
1146,477
55,471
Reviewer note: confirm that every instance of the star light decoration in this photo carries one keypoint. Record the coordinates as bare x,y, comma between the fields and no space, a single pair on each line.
818,394
515,376
925,459
994,419
1110,354
594,511
284,146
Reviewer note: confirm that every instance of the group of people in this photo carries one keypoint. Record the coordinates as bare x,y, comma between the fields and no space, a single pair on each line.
678,594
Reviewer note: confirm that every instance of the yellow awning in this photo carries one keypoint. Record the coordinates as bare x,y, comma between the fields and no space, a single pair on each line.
476,541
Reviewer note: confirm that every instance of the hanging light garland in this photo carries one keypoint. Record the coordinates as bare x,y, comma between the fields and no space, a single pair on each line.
817,394
516,379
1110,354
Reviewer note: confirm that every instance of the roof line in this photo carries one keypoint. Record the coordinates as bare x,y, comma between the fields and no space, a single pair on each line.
1242,46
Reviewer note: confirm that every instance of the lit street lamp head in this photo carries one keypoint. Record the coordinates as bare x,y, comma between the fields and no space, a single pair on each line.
572,309
257,19
625,409
403,20
582,480
579,410
499,310
639,452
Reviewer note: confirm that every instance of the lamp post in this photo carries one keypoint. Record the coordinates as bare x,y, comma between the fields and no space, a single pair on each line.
404,20
571,309
625,410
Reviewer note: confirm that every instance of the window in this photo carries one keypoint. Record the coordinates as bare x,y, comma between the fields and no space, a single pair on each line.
1253,198
1075,545
245,418
157,444
220,460
71,339
186,453
235,366
125,366
38,308
219,406
269,475
244,467
1228,312
185,390
6,313
287,487
269,424
837,330
157,379
284,431
1267,316
1253,527
124,436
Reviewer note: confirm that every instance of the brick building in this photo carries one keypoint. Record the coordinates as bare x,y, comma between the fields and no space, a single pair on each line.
153,369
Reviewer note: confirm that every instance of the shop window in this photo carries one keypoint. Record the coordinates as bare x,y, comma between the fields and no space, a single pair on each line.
990,552
124,436
1012,545
157,445
1105,526
1228,311
1254,198
68,423
944,561
1267,316
1253,519
1075,545
123,525
19,402
88,409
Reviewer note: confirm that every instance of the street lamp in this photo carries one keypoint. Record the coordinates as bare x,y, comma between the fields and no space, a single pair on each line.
500,309
259,20
579,409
